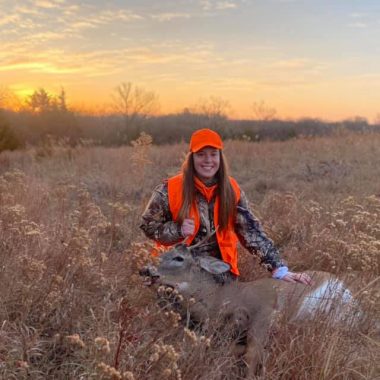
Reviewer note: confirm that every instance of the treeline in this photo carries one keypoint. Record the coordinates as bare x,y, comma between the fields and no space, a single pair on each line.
49,117
18,129
174,128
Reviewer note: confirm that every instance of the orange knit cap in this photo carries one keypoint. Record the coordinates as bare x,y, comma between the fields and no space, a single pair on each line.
205,137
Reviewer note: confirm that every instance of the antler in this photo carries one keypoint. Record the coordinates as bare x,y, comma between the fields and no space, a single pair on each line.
203,241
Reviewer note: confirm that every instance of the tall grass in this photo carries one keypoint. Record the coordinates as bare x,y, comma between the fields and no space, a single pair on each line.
72,305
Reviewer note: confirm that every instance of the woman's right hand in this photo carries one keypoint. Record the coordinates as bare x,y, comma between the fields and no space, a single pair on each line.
188,227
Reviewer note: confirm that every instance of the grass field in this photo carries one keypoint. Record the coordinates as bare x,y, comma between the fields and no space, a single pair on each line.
72,305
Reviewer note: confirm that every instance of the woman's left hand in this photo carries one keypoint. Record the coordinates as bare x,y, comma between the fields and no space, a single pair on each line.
302,278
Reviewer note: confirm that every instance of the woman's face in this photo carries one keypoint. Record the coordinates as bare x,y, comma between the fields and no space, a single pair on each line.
206,163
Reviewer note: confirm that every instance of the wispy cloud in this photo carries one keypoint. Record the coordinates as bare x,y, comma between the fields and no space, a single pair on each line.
24,10
358,14
46,4
71,10
170,16
220,5
9,19
106,62
358,25
42,67
47,36
59,62
43,16
209,5
359,20
282,82
298,64
106,17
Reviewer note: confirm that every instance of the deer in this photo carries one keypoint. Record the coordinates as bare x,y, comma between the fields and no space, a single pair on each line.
250,308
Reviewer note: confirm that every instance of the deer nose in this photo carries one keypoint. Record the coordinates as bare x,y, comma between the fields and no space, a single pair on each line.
148,271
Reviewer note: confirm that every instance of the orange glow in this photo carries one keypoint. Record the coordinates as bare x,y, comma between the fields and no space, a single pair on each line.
23,92
96,99
277,53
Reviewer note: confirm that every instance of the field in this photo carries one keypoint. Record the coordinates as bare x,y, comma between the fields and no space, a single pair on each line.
74,307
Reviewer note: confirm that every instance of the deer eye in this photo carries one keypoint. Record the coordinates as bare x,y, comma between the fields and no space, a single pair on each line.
178,258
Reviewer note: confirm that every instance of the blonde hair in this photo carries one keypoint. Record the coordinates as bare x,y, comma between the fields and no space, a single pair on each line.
227,203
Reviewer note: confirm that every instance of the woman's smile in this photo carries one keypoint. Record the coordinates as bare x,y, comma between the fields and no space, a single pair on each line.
206,163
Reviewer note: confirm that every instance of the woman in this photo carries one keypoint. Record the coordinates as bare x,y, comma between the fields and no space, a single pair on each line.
204,199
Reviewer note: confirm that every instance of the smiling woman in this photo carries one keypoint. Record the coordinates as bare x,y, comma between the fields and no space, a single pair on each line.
204,204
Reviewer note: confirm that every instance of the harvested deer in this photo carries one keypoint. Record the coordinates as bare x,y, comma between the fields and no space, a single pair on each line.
250,306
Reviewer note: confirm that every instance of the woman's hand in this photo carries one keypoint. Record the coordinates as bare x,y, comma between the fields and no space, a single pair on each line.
302,278
188,227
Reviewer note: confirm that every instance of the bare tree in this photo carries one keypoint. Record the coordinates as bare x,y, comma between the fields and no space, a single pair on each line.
134,104
8,98
61,100
215,109
263,112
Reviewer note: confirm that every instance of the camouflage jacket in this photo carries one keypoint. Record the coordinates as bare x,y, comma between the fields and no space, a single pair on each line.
157,224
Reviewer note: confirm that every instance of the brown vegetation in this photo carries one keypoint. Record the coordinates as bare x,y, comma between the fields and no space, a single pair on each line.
73,306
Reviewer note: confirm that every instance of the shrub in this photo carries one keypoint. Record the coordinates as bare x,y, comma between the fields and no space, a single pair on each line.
8,138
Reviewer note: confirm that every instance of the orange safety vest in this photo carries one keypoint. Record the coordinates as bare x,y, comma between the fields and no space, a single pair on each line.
227,239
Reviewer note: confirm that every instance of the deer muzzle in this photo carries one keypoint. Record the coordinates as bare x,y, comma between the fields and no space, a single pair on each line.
150,273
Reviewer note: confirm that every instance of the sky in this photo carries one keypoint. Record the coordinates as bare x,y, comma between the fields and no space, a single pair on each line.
311,58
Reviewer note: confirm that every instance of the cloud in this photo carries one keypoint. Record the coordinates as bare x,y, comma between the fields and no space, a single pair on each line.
27,10
42,67
59,62
209,5
170,16
220,5
46,16
358,15
45,4
303,64
206,5
293,72
178,54
46,36
106,17
9,19
358,25
283,82
103,62
71,10
359,20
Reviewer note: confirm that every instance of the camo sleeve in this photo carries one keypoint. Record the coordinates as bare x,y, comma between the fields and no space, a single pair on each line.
253,238
157,222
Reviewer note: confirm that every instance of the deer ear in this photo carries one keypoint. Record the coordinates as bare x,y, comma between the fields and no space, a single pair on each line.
213,265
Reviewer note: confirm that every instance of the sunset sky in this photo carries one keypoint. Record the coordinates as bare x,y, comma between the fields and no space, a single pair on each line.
311,58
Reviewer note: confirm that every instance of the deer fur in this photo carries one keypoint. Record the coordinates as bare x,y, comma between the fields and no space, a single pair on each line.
250,307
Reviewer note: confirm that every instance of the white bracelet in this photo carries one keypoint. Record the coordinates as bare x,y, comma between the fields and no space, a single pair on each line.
280,273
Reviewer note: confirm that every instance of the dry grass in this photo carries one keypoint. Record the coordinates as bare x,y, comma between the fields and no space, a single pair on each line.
73,307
